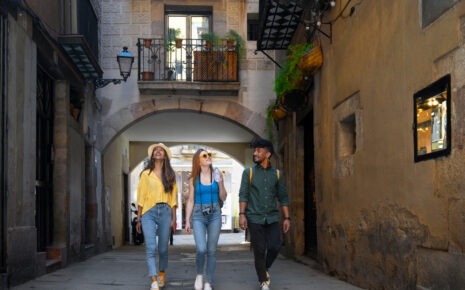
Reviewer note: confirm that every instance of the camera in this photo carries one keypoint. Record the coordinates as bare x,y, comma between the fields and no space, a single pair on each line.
207,210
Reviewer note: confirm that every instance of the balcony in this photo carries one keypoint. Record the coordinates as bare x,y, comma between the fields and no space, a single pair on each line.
187,67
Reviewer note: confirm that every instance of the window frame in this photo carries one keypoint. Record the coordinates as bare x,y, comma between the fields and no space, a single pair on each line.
442,84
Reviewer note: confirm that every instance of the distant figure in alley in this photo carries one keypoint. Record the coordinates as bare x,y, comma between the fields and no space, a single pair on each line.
206,191
261,186
157,202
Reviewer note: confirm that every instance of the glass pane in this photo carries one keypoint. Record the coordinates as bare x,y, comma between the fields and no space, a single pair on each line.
199,25
431,123
176,62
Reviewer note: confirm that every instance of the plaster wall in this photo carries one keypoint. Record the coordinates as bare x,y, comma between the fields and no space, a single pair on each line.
378,208
116,162
76,185
21,234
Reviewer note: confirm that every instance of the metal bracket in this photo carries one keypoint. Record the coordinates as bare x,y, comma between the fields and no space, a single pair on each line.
269,57
317,27
100,83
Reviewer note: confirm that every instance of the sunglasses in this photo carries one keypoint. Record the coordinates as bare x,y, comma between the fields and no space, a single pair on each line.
205,155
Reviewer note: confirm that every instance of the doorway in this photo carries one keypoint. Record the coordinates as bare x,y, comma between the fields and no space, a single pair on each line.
311,242
3,82
44,160
126,212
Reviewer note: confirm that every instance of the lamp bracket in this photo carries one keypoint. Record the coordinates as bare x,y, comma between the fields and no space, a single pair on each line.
100,83
316,27
269,57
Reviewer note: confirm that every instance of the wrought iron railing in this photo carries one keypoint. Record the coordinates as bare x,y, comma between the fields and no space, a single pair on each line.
187,60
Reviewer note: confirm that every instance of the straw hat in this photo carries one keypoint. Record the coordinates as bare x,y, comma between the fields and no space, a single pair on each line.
153,146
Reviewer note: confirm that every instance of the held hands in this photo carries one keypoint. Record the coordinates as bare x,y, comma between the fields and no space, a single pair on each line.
138,227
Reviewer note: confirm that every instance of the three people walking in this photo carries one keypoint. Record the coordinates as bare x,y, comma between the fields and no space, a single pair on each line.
261,187
205,193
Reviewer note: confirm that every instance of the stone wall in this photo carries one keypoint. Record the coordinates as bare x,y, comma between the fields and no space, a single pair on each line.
21,234
383,219
124,21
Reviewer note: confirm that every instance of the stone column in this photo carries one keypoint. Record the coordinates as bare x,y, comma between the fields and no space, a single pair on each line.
60,173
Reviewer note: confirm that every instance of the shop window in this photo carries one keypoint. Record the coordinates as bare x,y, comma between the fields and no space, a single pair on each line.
432,130
252,26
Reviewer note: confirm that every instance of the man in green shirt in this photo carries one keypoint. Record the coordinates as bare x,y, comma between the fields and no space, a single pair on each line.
261,187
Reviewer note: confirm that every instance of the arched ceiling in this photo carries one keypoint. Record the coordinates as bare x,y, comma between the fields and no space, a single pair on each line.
189,127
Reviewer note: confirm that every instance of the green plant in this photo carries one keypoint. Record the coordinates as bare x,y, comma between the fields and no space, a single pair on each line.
233,36
211,38
289,76
170,38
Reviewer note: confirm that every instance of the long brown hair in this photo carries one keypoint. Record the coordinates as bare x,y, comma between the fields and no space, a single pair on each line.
168,175
196,166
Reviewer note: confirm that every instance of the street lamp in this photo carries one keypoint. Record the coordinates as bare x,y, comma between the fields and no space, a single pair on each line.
125,61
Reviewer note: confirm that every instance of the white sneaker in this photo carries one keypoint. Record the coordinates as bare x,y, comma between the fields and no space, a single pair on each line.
198,282
207,286
264,286
154,286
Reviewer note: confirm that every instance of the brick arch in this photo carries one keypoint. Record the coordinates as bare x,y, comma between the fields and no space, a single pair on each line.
118,122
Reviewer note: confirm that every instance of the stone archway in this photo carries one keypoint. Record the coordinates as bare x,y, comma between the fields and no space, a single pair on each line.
119,121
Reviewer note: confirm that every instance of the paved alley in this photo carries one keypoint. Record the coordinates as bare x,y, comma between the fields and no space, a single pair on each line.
125,268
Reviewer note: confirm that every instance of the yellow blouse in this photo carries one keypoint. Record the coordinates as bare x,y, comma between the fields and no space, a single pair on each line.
151,191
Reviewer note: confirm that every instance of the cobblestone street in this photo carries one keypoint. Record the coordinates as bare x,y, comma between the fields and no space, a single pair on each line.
125,268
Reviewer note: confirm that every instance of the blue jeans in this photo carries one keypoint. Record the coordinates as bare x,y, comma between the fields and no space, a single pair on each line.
206,234
157,218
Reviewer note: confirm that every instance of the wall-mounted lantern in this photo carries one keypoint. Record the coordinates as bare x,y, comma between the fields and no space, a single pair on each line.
125,61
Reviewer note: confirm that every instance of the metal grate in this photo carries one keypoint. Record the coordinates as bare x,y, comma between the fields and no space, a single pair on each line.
193,60
278,23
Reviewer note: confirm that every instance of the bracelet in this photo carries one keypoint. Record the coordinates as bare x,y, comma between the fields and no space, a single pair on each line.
287,218
243,213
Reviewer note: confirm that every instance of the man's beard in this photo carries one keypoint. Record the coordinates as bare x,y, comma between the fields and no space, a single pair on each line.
257,161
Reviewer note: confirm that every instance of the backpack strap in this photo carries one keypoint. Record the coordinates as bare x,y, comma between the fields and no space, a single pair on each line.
250,175
277,173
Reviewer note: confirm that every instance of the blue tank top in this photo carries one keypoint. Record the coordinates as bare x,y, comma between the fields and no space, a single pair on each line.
205,193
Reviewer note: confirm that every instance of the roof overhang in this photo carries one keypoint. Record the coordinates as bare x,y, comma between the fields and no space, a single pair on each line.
79,52
278,22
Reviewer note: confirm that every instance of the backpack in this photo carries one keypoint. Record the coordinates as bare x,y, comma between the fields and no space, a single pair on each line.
250,175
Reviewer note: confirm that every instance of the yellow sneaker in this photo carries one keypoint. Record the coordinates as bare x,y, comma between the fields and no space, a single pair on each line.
161,279
268,279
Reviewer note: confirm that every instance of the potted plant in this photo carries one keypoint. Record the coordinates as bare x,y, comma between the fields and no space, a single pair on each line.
211,40
232,37
274,112
170,39
311,61
291,79
147,42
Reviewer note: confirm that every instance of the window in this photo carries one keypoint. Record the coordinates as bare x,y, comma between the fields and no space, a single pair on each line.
347,144
252,26
433,9
432,131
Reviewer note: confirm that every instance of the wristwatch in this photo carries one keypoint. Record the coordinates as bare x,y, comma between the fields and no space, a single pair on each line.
242,213
287,218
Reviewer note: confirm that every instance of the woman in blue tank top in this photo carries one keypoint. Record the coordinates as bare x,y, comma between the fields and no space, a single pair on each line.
203,204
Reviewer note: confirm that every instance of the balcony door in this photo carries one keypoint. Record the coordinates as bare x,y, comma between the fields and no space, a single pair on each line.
190,28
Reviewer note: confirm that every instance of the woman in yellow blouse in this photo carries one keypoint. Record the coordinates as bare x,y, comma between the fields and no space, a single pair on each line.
157,201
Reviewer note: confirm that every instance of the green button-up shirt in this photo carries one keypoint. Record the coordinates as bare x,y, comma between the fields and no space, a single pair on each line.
262,194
